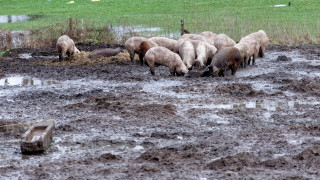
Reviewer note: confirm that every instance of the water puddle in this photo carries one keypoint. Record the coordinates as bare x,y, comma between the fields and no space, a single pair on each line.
14,39
25,81
25,56
28,56
279,5
17,18
266,105
122,31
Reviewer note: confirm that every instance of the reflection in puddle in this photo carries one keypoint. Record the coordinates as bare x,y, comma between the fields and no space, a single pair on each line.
25,81
17,18
267,105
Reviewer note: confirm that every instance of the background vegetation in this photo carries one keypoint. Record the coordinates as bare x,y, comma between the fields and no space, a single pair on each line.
297,24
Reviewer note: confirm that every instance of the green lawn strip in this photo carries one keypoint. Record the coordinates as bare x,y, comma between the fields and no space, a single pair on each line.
232,17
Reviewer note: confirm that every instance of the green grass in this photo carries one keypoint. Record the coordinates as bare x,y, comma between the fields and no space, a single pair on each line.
2,53
236,18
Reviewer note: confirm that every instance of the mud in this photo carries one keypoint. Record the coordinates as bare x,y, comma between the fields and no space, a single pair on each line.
113,120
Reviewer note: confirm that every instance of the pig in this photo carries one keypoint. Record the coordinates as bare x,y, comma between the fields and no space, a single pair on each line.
263,40
204,53
163,56
222,41
228,57
143,48
243,48
253,49
65,46
208,34
197,37
164,42
106,52
187,53
132,45
186,37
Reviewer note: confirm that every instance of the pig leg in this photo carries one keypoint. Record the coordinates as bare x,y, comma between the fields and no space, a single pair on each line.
249,60
62,55
245,62
242,64
254,59
131,56
151,65
141,59
261,52
172,71
234,69
221,73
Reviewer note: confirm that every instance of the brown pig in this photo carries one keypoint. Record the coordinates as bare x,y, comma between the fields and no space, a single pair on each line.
228,57
143,48
157,56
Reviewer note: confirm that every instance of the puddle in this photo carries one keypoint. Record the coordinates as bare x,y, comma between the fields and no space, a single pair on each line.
279,5
14,39
162,87
266,105
25,81
129,29
122,31
17,18
25,56
28,56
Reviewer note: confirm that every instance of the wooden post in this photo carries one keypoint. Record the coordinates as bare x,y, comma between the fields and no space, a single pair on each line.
70,27
183,30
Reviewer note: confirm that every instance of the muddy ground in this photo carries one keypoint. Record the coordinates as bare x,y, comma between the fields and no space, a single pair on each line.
113,120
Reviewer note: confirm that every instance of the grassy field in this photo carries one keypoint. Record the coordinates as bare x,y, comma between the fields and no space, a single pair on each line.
299,23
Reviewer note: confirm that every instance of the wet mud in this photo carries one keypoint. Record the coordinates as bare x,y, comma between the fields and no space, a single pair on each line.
113,120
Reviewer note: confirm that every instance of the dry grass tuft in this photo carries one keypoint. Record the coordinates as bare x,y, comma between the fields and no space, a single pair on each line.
82,59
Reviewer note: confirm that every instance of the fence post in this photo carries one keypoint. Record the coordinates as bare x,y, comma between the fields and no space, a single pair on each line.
183,30
70,27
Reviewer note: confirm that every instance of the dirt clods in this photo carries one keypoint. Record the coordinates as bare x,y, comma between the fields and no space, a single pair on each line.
283,58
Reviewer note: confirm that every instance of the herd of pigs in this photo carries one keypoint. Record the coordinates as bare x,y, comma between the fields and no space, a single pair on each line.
207,50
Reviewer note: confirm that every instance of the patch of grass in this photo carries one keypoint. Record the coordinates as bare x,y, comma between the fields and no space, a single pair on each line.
91,40
2,53
298,23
